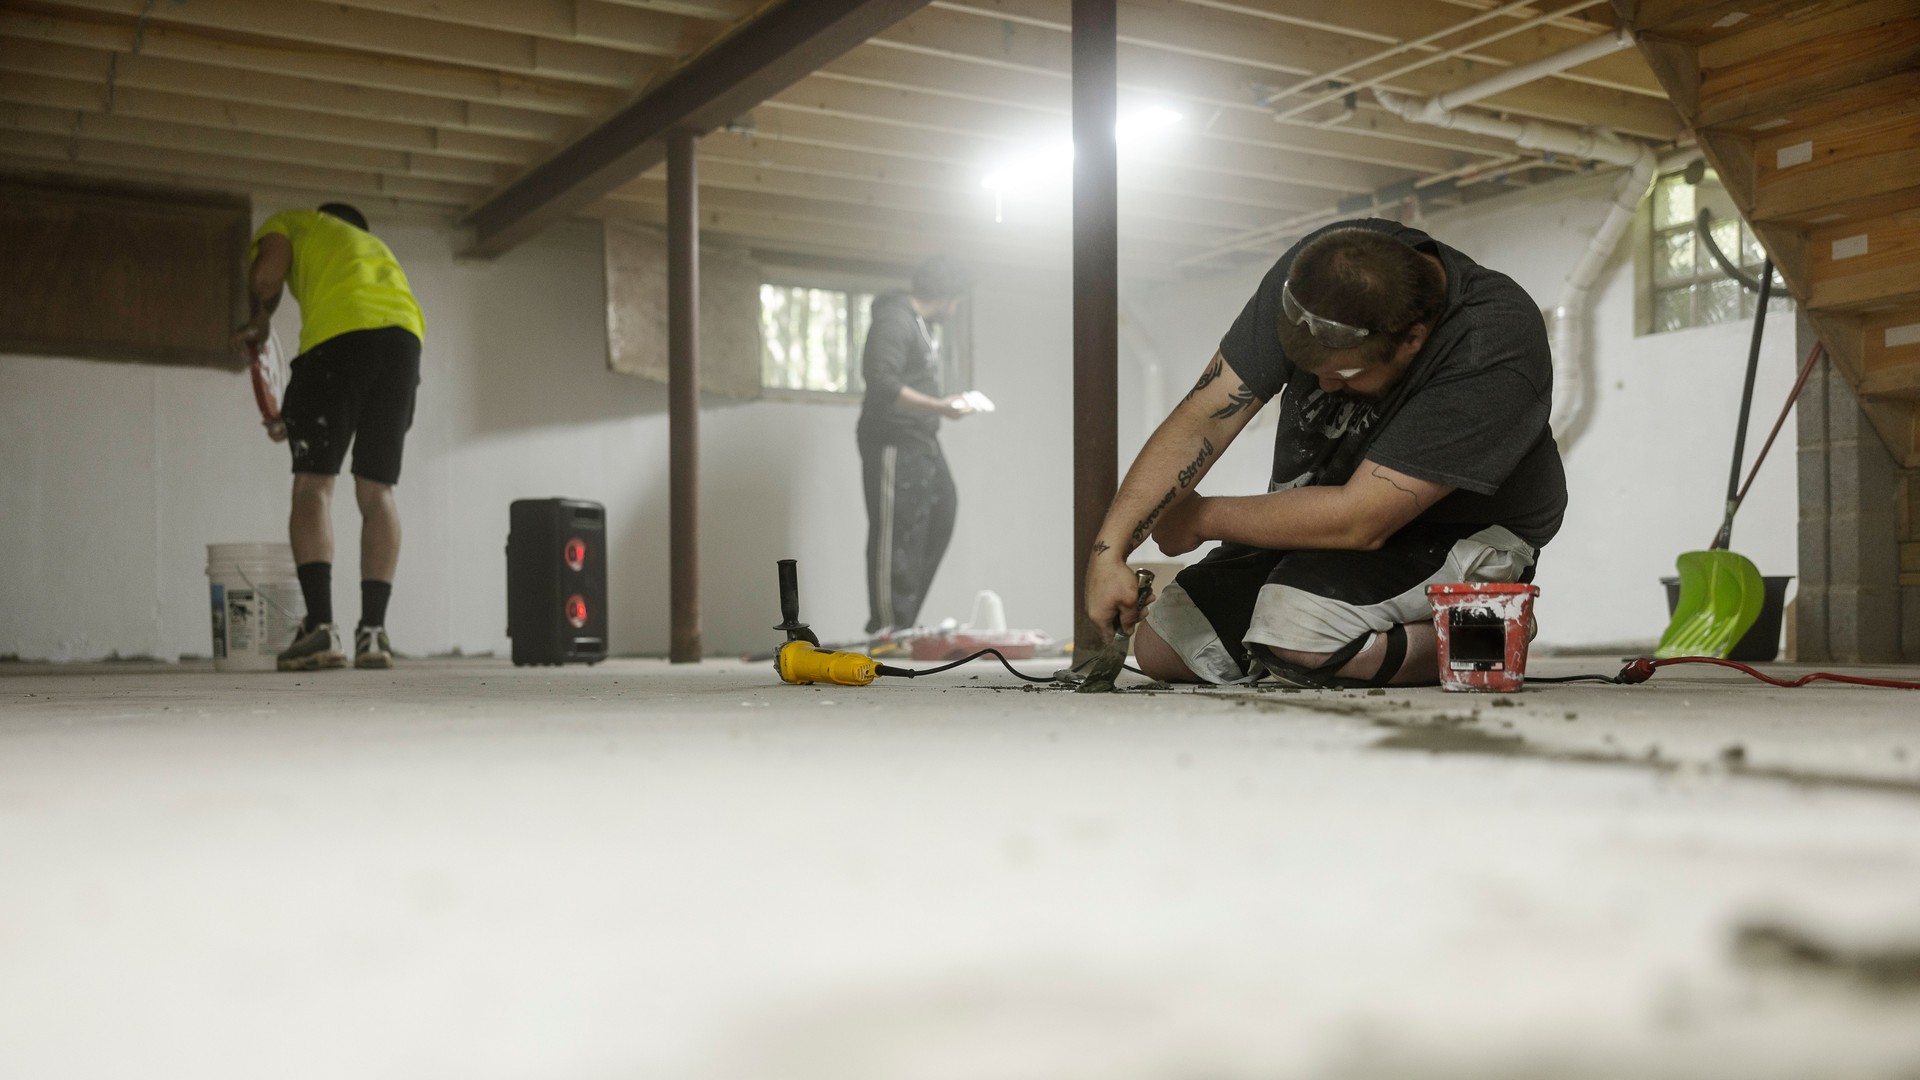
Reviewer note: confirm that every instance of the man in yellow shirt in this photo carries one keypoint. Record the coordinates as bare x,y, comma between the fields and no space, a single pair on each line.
353,383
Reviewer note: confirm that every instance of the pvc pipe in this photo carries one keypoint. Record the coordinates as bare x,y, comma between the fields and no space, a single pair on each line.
1593,49
1567,329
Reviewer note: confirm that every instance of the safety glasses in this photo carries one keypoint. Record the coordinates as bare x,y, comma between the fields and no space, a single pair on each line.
1333,335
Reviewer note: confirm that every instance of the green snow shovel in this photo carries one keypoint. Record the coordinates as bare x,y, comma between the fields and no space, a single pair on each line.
1721,592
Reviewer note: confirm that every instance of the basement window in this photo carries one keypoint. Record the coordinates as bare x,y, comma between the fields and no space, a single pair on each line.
813,329
1685,287
811,337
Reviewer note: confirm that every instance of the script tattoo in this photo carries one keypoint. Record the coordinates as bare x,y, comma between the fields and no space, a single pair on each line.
1142,530
1206,378
1192,472
1100,547
1236,401
1379,474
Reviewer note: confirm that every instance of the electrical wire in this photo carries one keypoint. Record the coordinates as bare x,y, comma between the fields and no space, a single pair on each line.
910,673
1632,673
914,673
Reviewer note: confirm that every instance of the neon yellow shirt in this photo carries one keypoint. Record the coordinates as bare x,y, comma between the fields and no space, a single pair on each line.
345,279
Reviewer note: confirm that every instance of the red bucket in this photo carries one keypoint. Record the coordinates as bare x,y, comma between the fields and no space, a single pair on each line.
1481,630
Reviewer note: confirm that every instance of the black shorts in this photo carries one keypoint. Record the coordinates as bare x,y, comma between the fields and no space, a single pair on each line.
353,389
1320,601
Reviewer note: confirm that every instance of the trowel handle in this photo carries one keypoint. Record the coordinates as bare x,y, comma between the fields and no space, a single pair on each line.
789,592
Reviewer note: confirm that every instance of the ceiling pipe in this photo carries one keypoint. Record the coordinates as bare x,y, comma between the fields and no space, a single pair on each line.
1520,75
1568,323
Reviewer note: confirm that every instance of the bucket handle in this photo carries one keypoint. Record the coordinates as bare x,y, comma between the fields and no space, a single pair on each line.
257,591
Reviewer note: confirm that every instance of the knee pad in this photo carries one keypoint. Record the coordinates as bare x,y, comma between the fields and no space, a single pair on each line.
1322,677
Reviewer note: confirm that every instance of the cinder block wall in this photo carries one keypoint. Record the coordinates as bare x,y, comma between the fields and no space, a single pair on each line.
1856,510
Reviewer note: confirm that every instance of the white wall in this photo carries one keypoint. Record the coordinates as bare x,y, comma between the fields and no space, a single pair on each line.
1646,479
114,477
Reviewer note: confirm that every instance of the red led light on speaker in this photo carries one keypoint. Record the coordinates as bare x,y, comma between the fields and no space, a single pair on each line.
575,553
577,610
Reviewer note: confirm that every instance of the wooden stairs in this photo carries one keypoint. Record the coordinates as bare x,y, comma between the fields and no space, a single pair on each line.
1810,112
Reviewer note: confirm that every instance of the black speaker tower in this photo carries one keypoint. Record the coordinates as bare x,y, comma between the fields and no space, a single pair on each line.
557,581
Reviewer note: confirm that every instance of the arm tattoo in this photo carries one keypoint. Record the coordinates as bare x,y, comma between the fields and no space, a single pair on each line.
1408,492
1100,547
1236,401
1206,378
1192,472
1145,528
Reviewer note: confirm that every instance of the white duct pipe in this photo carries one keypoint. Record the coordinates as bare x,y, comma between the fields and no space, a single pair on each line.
1532,134
1520,75
1567,330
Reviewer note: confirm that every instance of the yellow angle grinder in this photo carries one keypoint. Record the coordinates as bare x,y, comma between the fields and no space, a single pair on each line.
802,660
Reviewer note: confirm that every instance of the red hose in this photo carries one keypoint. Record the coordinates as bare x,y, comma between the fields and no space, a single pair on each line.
1641,670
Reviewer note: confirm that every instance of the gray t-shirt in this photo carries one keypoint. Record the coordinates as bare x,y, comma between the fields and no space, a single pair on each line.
1471,411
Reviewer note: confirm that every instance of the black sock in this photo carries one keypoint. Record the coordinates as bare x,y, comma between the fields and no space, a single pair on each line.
373,602
316,585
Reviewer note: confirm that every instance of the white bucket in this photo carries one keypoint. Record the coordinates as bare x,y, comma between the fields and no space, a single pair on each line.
256,604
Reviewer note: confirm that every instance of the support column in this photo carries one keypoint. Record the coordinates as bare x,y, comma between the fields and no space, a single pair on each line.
683,394
1096,293
1849,607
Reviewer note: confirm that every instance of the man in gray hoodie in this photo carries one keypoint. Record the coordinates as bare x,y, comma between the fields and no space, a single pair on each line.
909,491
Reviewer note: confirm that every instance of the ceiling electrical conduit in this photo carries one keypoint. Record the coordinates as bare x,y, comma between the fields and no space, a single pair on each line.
1568,329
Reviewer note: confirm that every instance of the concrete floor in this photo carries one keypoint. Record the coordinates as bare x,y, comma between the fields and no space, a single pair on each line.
462,869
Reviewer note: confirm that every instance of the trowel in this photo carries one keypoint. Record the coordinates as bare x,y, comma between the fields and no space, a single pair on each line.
1097,677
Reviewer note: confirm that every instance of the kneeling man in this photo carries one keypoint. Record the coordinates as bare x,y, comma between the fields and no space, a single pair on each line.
1414,387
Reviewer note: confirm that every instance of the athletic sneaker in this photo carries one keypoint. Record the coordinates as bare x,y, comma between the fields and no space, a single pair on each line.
317,648
371,649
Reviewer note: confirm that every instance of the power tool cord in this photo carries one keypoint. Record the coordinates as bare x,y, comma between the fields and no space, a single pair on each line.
910,673
1635,671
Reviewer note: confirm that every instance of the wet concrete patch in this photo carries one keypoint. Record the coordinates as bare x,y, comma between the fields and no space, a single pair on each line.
1887,969
1455,732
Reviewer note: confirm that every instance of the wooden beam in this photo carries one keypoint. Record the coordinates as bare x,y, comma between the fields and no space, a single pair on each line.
1293,170
715,10
267,119
730,185
378,32
759,59
1035,36
1245,174
228,173
301,59
1221,201
1096,294
156,73
1211,91
683,395
591,22
137,132
378,208
1380,23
